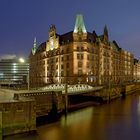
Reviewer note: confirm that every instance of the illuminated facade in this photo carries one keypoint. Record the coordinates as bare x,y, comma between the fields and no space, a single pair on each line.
13,71
136,70
79,57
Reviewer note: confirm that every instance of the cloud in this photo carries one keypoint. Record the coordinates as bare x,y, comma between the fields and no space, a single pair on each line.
8,56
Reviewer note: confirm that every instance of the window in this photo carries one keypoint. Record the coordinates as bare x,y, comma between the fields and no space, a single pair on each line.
80,64
56,59
67,65
67,50
92,57
88,57
80,48
87,65
79,72
51,66
48,61
62,51
62,66
80,56
62,73
62,58
7,107
67,74
56,74
67,57
88,49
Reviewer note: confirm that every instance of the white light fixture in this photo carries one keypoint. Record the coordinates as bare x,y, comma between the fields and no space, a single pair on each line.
21,60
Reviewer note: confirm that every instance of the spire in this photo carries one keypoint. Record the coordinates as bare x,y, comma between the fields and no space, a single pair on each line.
79,25
105,31
34,42
106,38
35,47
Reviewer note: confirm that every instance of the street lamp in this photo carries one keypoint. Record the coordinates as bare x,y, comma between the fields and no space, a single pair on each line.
22,60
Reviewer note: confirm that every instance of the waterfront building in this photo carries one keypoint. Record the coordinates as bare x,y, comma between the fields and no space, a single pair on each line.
79,56
13,71
136,70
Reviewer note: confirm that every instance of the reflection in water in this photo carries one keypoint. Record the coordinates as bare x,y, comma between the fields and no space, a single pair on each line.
119,120
77,117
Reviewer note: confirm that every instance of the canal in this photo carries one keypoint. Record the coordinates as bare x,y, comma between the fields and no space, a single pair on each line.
119,120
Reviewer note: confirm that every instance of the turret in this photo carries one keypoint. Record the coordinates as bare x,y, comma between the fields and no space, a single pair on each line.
106,38
52,31
80,32
35,47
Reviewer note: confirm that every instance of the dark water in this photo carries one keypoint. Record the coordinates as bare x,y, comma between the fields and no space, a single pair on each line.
119,120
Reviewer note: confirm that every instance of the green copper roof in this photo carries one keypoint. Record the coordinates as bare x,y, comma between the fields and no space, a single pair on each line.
79,25
35,47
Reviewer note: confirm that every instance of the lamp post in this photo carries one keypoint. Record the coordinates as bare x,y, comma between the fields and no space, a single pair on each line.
22,60
66,97
28,80
109,90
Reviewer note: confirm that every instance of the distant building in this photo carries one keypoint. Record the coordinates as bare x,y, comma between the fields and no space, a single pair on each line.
79,56
13,71
136,70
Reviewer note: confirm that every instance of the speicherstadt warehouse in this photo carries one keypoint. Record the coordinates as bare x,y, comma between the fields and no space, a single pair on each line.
79,56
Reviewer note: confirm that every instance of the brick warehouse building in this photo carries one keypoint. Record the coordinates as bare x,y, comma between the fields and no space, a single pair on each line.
79,56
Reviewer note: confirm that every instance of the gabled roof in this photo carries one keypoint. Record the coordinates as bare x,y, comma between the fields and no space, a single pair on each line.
101,37
115,46
91,37
67,37
41,48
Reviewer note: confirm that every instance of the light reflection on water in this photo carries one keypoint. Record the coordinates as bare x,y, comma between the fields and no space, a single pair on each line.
77,117
119,120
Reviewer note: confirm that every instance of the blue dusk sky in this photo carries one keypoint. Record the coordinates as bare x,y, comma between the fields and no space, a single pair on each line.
22,20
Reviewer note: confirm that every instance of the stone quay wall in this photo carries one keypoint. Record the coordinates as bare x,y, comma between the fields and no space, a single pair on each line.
17,117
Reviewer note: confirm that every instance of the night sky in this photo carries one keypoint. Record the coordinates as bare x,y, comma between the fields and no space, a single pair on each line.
22,20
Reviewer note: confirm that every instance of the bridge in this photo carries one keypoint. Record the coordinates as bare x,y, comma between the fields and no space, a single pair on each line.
71,89
38,103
